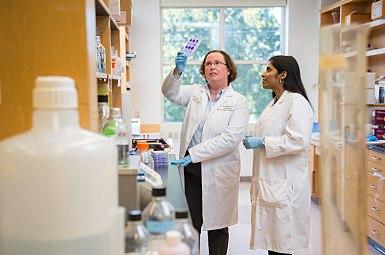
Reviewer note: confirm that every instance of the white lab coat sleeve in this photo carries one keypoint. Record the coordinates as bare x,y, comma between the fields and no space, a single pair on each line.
297,131
229,139
176,93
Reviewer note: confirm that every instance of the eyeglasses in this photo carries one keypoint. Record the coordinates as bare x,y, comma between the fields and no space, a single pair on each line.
216,63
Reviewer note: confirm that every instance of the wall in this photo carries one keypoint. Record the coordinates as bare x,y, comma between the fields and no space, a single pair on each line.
301,39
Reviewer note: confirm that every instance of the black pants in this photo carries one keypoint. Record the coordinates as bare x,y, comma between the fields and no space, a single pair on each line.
277,253
219,238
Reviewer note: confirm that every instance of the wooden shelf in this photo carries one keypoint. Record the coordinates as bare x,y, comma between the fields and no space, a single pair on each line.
376,52
375,105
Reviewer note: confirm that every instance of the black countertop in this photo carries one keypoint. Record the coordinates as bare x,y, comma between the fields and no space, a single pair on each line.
171,180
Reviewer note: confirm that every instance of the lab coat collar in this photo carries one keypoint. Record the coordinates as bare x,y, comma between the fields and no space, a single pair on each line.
283,97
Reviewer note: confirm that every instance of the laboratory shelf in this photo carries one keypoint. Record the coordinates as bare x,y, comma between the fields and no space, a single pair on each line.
376,52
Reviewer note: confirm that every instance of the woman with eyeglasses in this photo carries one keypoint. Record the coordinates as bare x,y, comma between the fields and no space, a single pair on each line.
280,187
214,123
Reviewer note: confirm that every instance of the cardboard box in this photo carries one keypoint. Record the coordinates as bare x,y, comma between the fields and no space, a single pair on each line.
378,117
370,98
370,80
125,18
379,133
378,9
354,17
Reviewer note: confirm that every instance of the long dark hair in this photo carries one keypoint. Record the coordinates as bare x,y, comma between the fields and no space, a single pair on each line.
292,82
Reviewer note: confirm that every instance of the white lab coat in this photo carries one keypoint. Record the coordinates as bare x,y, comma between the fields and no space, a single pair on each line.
280,188
218,152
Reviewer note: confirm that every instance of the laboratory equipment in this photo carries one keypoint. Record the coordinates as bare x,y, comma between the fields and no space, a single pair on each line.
160,158
137,236
173,245
158,217
191,46
135,126
117,131
58,185
129,196
189,234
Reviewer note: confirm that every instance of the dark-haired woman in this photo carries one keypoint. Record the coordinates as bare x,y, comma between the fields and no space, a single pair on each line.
214,123
280,187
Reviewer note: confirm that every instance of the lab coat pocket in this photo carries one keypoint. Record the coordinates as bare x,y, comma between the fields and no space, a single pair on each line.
227,173
272,193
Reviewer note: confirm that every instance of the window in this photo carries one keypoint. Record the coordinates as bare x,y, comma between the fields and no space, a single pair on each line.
249,35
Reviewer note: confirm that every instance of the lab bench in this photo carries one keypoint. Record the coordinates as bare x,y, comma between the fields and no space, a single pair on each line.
129,191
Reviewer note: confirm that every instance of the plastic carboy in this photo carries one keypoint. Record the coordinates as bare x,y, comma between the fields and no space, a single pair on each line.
173,245
158,217
59,182
137,236
189,234
144,154
117,131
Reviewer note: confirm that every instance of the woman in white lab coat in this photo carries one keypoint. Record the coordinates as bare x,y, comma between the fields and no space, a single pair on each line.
280,187
214,123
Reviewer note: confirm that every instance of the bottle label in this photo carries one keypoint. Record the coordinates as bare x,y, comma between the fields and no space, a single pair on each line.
159,226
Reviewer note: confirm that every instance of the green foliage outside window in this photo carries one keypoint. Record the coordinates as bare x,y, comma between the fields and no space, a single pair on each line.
251,34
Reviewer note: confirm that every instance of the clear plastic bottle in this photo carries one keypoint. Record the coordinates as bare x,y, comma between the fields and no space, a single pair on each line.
173,245
144,154
58,182
158,217
137,236
189,234
101,55
117,131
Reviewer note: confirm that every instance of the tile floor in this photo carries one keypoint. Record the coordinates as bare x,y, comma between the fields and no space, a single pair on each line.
240,233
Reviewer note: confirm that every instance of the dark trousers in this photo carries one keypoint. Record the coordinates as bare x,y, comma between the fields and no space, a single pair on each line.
277,253
219,238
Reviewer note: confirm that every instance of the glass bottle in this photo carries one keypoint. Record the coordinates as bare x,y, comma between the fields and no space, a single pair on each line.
144,154
117,131
137,236
158,217
173,245
189,234
104,111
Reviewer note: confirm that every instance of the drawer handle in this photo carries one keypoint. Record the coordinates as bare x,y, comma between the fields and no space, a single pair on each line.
375,232
375,169
372,186
374,209
376,158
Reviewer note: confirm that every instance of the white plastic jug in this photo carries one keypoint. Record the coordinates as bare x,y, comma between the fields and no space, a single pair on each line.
58,182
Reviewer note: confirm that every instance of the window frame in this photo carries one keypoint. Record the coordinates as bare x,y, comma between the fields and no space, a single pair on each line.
169,4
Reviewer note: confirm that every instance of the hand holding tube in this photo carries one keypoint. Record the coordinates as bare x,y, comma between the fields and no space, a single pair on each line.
184,161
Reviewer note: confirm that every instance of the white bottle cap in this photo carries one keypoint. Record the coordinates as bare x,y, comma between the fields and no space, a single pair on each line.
115,113
172,237
54,92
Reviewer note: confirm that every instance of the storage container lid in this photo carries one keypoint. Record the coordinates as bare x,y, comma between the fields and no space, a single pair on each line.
181,214
135,215
54,92
159,191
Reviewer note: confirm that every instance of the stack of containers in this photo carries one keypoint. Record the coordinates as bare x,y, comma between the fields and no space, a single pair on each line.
160,158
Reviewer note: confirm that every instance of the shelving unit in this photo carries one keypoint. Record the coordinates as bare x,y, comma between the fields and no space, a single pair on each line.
345,166
41,38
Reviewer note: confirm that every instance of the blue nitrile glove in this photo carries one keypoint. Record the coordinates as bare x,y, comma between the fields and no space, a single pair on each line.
184,161
180,61
252,142
371,138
